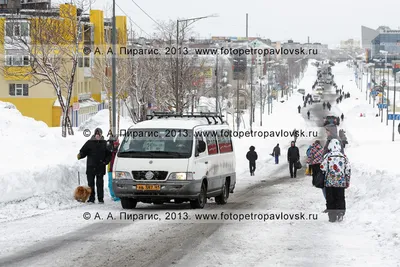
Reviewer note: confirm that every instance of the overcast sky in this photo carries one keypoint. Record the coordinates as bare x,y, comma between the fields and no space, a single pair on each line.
323,21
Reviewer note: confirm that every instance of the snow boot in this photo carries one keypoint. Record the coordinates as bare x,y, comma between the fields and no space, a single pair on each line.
340,217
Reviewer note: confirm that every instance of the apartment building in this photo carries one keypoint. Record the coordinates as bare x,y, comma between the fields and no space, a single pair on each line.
39,101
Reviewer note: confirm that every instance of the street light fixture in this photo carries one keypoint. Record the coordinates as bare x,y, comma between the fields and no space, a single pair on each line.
193,20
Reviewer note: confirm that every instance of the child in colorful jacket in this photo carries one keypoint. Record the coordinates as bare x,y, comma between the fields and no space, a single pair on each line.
337,178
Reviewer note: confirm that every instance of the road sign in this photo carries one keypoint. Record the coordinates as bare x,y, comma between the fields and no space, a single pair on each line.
382,106
396,65
396,117
75,106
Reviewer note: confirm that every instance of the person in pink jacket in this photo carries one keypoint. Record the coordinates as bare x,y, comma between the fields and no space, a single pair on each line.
314,160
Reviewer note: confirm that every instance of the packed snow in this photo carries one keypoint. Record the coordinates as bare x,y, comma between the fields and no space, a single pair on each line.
41,169
41,173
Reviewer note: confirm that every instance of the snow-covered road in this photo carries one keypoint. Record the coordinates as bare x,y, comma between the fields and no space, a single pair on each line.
64,238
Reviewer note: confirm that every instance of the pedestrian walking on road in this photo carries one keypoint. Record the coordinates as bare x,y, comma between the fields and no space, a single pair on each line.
328,106
276,153
337,178
293,156
314,160
340,91
98,156
342,117
323,105
252,157
299,108
308,114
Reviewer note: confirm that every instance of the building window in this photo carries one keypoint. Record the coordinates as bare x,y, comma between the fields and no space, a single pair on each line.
17,89
86,62
87,34
17,29
17,60
80,61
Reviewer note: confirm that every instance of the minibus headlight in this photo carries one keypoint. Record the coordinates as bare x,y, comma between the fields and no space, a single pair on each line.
121,175
181,176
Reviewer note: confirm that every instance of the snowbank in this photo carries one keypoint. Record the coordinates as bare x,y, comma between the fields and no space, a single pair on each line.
40,167
372,199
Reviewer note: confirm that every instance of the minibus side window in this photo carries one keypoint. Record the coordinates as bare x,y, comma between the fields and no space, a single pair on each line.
224,141
199,137
211,142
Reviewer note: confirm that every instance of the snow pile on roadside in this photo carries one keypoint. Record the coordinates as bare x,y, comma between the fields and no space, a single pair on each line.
283,120
373,201
101,120
40,167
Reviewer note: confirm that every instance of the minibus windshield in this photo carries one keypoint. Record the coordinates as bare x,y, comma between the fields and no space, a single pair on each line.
157,143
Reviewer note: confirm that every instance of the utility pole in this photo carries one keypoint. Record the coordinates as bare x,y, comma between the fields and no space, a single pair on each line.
261,106
251,96
394,105
247,26
237,107
177,69
216,87
114,73
366,90
387,95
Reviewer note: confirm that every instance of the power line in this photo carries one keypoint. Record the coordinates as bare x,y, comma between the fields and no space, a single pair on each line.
147,14
132,20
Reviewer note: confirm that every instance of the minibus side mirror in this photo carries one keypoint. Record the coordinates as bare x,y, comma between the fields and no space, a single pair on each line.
201,147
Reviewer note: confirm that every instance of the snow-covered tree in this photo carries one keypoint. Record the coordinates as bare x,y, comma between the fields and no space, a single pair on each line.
50,41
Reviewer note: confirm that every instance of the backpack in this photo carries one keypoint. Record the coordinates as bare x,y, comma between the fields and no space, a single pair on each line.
308,151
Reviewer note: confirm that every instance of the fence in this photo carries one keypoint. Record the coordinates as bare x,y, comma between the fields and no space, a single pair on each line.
77,117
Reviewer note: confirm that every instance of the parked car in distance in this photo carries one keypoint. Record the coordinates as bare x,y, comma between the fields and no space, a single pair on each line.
331,120
316,98
302,91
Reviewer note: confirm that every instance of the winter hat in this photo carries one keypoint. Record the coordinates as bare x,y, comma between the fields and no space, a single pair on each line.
252,148
98,131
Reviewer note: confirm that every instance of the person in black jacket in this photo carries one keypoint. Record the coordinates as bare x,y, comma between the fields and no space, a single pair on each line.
293,155
276,153
299,108
98,156
308,114
252,157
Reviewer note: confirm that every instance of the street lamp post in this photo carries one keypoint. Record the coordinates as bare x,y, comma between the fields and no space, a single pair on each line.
193,20
114,73
251,97
261,106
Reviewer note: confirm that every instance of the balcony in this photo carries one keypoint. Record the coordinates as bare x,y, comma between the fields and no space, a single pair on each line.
84,96
87,72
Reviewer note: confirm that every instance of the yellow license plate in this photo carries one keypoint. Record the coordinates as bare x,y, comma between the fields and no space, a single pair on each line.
146,187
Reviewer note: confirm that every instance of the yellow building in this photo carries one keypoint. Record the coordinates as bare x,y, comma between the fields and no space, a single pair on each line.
40,101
